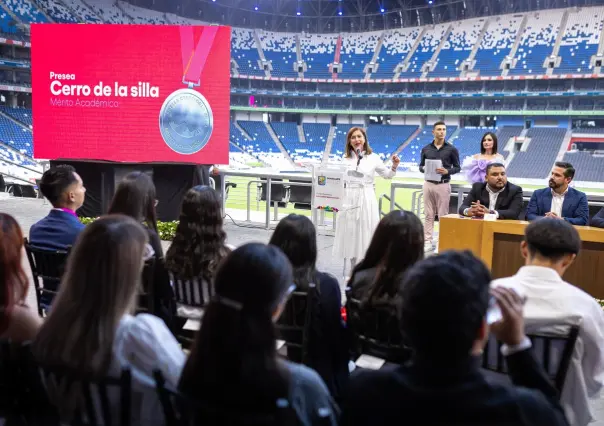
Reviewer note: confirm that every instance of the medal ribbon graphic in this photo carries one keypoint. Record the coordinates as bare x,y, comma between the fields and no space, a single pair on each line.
195,57
185,119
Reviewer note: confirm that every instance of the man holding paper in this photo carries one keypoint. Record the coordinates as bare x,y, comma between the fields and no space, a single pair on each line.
439,160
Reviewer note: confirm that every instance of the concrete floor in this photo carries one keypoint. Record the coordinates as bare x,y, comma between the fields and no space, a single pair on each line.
29,211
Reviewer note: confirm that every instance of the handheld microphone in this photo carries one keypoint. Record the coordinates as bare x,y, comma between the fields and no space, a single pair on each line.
359,153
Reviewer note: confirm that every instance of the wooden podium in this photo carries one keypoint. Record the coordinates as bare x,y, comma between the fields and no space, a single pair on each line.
497,243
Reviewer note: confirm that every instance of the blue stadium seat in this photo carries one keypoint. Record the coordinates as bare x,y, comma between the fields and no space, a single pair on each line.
536,162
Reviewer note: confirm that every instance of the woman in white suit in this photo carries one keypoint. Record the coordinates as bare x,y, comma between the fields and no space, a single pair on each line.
355,226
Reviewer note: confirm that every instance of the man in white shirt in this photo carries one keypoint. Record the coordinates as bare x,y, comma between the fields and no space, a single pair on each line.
550,247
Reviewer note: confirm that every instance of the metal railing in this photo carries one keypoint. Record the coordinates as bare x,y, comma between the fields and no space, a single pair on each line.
248,206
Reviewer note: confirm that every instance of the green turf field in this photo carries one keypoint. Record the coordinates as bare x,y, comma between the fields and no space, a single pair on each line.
237,196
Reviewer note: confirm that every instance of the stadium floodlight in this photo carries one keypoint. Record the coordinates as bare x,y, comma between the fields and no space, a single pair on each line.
255,7
340,13
298,13
382,9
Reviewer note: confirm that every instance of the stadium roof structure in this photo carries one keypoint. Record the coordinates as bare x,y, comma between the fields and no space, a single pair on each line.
324,16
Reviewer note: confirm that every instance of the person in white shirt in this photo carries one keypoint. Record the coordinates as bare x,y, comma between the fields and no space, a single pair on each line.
90,329
550,247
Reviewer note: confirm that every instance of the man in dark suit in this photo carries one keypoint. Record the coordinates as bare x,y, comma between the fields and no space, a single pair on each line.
598,219
64,189
495,196
445,299
559,200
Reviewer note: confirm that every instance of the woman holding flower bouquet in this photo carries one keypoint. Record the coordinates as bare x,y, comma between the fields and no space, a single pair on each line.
474,168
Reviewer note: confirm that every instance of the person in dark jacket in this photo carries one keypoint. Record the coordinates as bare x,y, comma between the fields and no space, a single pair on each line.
443,318
65,191
495,196
296,236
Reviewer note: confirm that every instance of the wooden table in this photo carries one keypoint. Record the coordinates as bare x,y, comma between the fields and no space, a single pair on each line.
497,243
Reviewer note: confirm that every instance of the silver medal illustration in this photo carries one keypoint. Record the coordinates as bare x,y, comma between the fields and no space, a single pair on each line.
186,121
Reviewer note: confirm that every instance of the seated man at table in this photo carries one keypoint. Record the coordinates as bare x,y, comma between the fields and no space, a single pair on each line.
550,246
495,196
598,219
559,200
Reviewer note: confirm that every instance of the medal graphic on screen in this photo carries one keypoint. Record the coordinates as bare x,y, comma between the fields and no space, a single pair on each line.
185,118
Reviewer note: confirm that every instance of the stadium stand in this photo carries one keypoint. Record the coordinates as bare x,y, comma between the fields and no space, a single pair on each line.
85,14
536,161
7,23
339,140
504,134
142,16
385,139
15,136
396,45
357,51
496,44
21,114
467,141
589,167
58,12
537,41
311,149
589,130
457,48
25,10
580,40
107,10
318,52
427,46
280,50
411,154
245,53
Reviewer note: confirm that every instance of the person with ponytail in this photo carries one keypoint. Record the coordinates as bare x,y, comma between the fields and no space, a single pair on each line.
233,366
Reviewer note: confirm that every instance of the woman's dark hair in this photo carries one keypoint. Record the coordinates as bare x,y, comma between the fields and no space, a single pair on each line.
494,136
135,197
296,236
397,244
198,245
13,281
233,362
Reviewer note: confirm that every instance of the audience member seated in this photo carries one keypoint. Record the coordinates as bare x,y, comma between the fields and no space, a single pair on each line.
199,243
396,245
64,189
559,200
296,236
549,248
18,321
443,318
90,330
135,197
598,219
234,366
495,196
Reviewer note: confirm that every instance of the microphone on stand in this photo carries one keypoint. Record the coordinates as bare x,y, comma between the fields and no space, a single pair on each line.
359,156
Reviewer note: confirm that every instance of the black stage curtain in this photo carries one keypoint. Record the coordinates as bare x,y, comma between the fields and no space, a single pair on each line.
172,181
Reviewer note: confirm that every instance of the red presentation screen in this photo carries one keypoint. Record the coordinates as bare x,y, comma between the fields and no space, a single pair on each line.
131,93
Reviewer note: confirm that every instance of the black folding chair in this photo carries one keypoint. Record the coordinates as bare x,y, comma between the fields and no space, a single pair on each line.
93,397
47,268
146,295
374,331
295,323
179,411
553,351
192,293
21,388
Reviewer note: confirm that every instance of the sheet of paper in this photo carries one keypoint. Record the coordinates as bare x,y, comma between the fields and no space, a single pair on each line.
430,169
369,362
